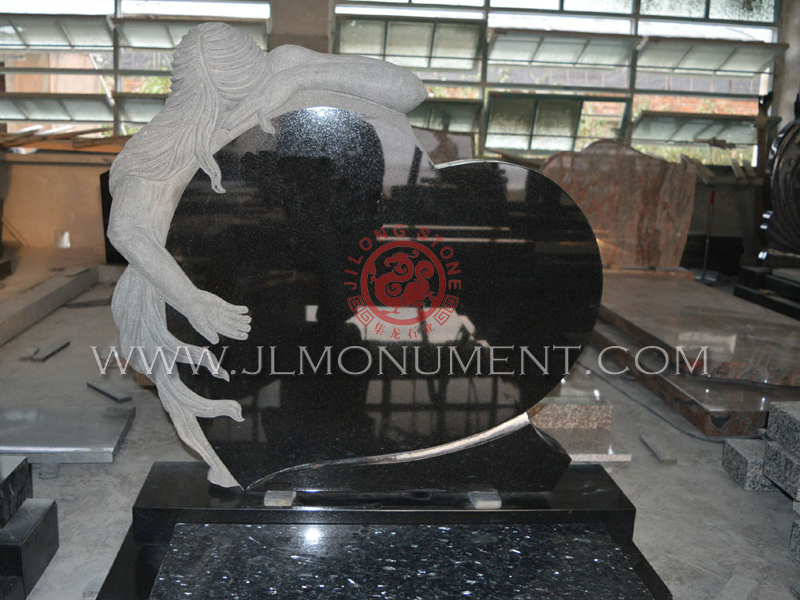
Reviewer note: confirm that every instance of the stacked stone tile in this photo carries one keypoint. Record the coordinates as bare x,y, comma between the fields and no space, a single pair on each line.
773,463
28,530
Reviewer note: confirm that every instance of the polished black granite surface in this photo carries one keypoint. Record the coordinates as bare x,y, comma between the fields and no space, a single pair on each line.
29,541
15,485
355,255
487,561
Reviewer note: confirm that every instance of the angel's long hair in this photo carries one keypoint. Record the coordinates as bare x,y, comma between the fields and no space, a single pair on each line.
213,68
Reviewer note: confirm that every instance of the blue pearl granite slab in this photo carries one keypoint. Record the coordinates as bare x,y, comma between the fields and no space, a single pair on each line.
15,485
784,425
744,461
501,561
783,469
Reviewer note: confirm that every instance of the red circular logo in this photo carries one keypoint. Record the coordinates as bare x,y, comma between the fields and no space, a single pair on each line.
402,277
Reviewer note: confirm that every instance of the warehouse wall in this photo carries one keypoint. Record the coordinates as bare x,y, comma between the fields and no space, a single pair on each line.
43,197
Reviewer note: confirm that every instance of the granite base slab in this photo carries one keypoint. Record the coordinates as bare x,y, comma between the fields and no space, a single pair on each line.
716,408
784,425
775,289
585,495
794,541
743,460
745,342
488,561
783,469
16,485
64,435
11,588
29,306
29,541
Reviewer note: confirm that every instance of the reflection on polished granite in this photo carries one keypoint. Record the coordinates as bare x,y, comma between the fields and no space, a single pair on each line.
302,212
717,408
562,561
746,342
640,207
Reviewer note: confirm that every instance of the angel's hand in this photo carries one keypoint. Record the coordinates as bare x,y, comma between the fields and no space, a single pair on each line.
211,316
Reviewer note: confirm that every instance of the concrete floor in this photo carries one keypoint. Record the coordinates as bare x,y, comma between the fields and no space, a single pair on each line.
695,526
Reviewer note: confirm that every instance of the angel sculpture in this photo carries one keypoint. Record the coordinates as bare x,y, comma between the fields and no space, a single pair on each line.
223,84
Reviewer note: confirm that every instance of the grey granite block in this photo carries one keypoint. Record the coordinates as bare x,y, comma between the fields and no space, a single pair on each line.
744,461
783,426
15,485
794,541
783,469
796,507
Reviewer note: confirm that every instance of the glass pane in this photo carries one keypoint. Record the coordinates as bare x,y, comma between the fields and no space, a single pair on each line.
655,128
560,23
43,109
529,4
76,7
606,52
662,54
751,60
674,8
739,133
611,6
693,130
41,32
9,111
601,120
514,47
715,31
705,57
88,33
409,44
454,117
145,60
362,37
146,85
509,142
511,115
239,10
556,124
91,110
565,50
455,46
147,35
743,10
139,110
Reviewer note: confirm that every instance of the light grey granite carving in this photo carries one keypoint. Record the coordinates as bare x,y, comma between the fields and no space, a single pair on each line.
223,85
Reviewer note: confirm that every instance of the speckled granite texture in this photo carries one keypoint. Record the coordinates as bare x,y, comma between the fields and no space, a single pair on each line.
783,469
784,425
395,561
794,541
744,461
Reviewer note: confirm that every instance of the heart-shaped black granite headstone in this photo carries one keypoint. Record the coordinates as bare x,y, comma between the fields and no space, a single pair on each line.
396,306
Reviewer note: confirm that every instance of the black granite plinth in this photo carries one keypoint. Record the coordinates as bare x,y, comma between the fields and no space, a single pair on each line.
480,560
15,485
5,268
179,493
29,541
11,588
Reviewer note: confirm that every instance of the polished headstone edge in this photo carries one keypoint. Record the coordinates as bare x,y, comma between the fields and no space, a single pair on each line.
223,84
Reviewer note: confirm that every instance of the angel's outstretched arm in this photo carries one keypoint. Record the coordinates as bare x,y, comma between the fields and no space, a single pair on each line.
298,69
133,232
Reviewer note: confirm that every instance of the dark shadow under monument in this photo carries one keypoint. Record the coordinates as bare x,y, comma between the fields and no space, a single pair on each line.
405,318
